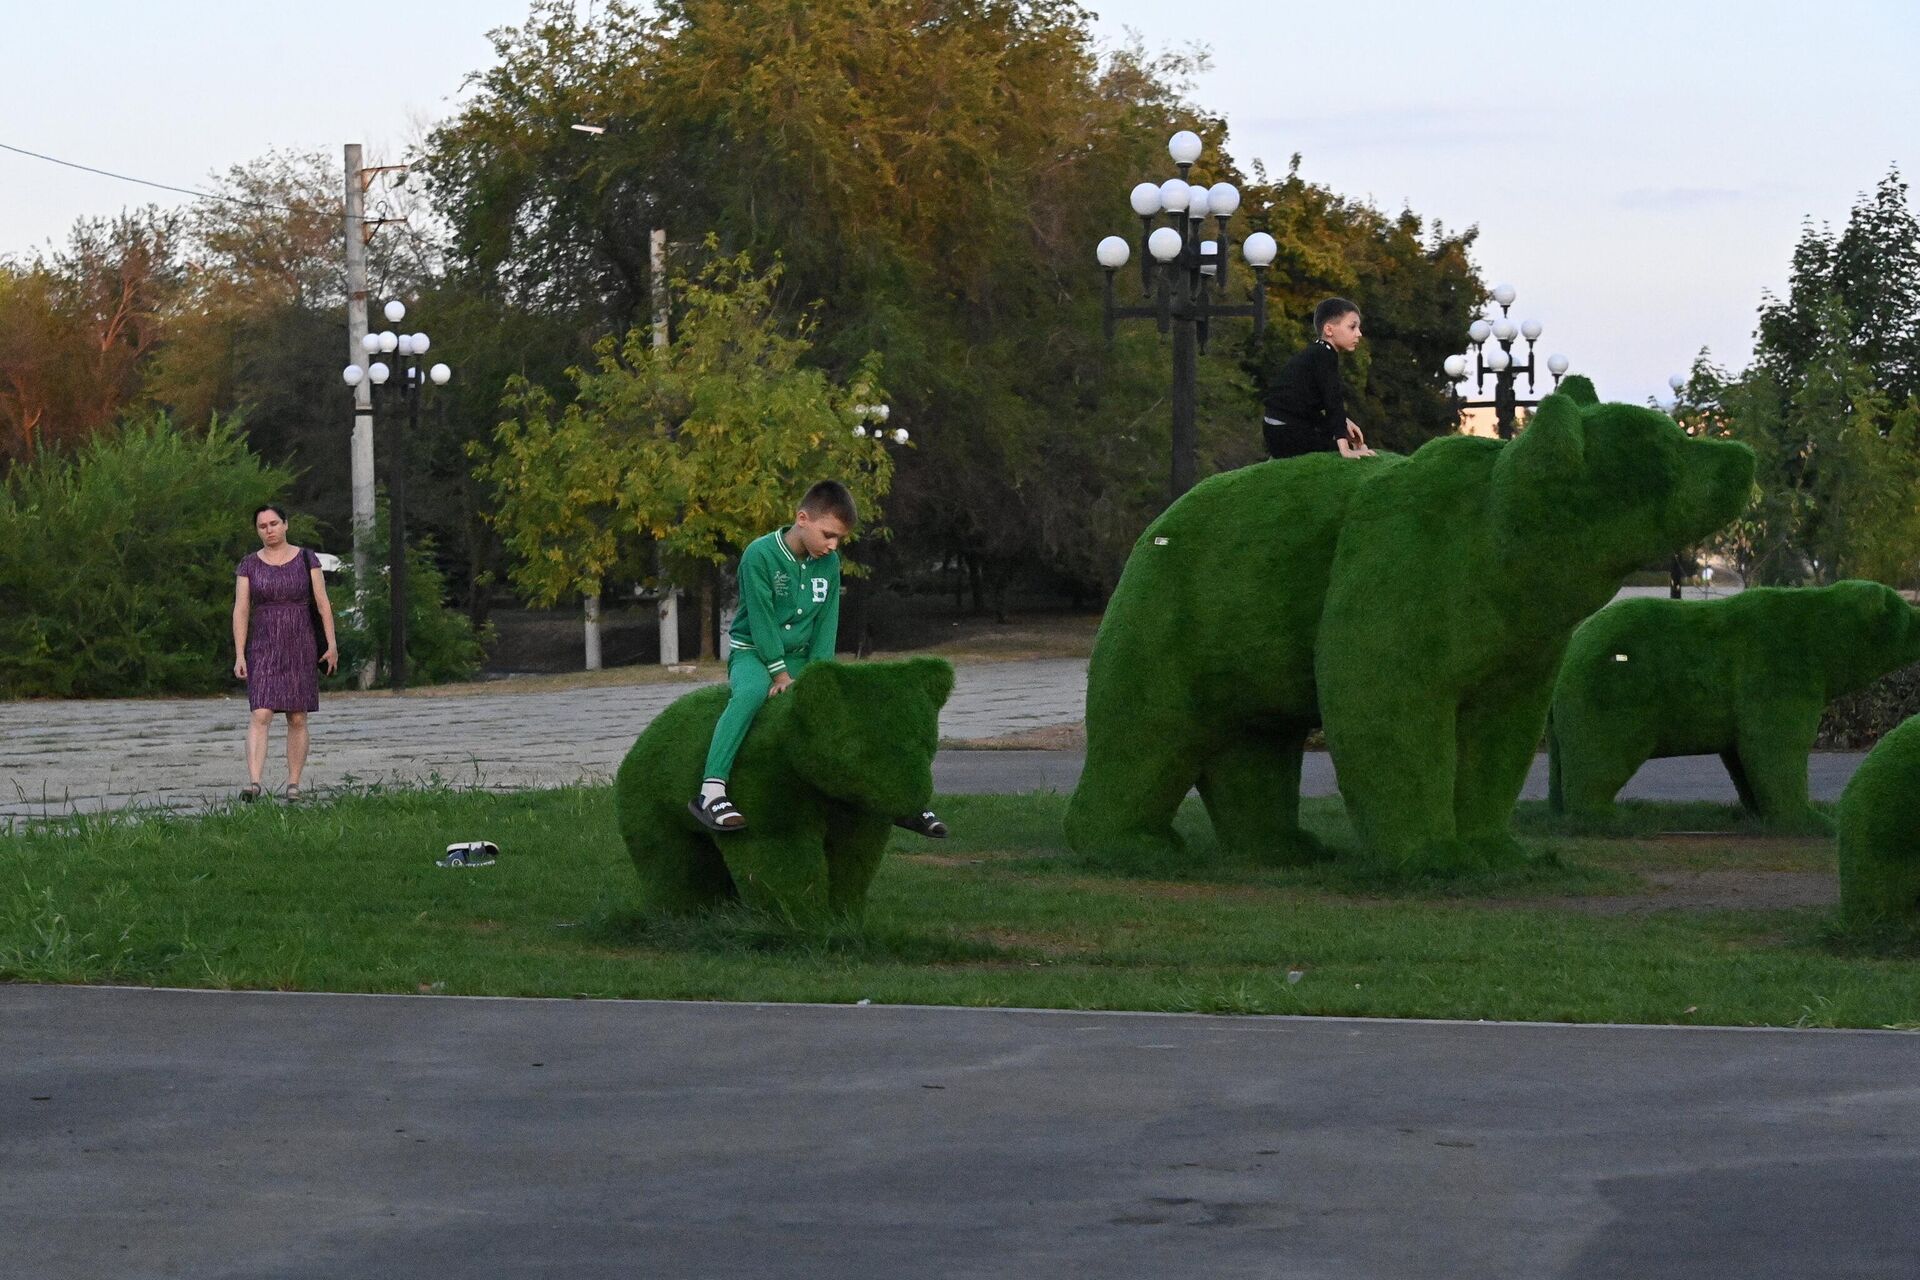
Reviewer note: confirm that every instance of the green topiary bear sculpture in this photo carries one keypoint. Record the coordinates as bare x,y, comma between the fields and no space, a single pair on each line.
1879,830
1744,678
825,770
1416,607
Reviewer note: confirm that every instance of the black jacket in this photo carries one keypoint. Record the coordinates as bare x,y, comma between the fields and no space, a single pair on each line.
1306,394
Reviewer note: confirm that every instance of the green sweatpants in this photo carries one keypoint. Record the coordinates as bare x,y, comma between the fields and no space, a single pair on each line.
750,681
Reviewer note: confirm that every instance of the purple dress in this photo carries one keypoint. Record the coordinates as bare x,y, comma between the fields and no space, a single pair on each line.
282,672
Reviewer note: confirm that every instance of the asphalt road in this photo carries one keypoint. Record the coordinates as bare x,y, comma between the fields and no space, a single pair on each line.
226,1135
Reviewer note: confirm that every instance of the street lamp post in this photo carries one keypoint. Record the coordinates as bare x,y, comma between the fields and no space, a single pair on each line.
870,423
409,347
1186,292
1500,362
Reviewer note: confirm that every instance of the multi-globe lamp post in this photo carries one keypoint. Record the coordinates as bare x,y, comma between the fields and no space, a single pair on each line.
408,348
870,424
1184,275
1500,361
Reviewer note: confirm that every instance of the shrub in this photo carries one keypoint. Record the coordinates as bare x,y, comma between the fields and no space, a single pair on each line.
116,562
443,645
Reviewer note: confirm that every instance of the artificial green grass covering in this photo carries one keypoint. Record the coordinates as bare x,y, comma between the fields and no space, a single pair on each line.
1879,829
1745,678
1415,607
344,896
823,773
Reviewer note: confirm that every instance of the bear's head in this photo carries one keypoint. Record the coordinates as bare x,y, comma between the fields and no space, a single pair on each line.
1882,630
865,733
1612,486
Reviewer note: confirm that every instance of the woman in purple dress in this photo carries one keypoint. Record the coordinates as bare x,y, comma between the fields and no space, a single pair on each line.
275,591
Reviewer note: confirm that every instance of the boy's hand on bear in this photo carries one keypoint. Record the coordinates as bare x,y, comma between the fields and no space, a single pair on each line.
780,683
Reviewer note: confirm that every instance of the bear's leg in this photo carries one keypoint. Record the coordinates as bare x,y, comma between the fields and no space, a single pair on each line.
1251,787
855,844
1498,731
1396,764
1738,772
1132,784
1596,756
782,872
1774,757
679,869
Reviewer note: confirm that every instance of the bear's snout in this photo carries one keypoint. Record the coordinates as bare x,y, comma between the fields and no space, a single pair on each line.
1715,488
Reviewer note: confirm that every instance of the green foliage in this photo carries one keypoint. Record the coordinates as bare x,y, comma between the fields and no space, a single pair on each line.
823,773
936,176
697,447
118,573
443,645
1417,607
1879,830
1829,407
1416,289
1745,678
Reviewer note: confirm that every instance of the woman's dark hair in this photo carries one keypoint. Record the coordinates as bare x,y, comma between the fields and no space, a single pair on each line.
274,507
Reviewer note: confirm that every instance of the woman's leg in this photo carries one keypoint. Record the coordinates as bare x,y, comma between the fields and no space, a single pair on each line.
296,746
257,742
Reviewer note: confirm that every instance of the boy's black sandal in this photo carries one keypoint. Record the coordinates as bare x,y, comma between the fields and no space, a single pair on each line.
712,814
250,793
926,823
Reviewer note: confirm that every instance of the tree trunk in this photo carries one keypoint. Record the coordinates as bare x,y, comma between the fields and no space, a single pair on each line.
709,622
593,632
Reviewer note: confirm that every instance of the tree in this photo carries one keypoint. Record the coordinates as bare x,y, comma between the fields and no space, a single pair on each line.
1831,402
935,173
695,448
80,327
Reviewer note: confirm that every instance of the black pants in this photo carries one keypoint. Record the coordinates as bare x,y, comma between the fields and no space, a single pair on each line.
1292,440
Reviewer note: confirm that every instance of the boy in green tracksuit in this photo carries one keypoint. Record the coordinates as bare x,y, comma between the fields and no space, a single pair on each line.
789,616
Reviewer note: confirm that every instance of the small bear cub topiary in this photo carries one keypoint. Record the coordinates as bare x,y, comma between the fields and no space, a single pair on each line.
827,769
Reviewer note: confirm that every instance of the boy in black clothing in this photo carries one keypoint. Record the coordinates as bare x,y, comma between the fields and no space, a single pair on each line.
1305,406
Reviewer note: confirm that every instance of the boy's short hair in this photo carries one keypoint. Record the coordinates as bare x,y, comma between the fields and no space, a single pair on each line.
830,498
1329,311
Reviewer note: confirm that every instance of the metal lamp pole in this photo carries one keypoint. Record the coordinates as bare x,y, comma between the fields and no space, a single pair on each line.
1500,362
1187,291
410,348
871,418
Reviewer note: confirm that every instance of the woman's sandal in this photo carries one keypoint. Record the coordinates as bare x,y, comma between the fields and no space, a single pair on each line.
713,814
250,793
293,792
926,823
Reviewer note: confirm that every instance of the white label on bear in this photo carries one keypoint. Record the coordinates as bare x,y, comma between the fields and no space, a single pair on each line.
1619,657
1159,542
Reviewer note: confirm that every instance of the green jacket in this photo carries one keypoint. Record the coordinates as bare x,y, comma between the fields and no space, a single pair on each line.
787,606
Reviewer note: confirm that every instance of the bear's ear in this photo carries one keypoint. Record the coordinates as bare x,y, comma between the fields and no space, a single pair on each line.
1578,387
935,675
1553,444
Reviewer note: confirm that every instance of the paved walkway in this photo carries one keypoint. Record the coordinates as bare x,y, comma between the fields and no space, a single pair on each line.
223,1134
185,753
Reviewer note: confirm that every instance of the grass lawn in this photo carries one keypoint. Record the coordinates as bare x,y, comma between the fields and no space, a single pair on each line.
1721,925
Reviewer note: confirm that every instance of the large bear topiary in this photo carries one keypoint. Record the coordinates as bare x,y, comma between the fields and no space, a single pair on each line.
1416,607
1879,830
1744,678
826,769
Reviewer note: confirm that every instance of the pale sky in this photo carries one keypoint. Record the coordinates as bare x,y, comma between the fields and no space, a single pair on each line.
1638,170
